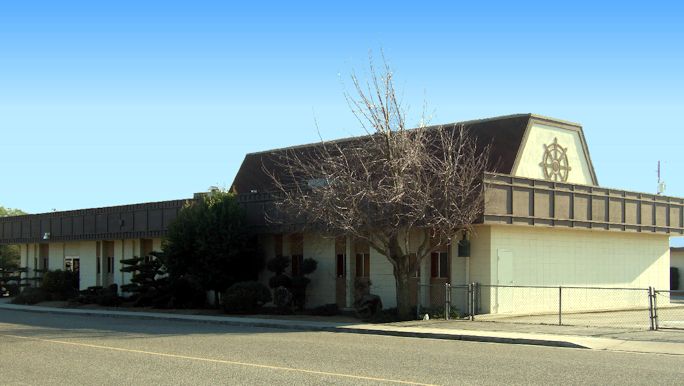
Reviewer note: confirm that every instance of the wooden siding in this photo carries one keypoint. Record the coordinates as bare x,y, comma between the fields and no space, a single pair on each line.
148,220
524,201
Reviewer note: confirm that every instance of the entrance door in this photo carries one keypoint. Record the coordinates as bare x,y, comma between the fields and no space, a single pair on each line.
73,264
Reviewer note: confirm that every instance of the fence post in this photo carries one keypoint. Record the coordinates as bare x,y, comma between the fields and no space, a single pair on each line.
650,308
560,305
469,304
655,309
418,301
473,298
447,300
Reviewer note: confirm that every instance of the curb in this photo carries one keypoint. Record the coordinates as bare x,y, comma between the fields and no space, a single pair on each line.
309,327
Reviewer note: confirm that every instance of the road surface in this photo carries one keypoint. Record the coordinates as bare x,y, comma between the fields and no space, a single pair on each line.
54,349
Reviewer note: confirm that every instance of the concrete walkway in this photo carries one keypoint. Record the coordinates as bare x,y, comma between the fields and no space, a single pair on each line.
670,342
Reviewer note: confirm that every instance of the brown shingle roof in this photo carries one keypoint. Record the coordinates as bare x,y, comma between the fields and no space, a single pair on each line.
505,135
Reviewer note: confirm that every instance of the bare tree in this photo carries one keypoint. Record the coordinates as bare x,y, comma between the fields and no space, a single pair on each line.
425,182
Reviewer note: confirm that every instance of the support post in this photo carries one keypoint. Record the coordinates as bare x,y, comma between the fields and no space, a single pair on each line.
560,305
447,300
650,308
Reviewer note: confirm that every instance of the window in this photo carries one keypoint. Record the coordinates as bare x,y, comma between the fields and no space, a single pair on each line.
98,265
110,264
440,265
362,265
297,265
340,263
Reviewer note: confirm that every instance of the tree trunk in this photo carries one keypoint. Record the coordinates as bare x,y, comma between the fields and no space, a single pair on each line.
401,277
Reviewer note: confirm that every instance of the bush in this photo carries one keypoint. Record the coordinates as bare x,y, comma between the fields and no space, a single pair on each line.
326,310
438,312
100,296
280,280
31,296
278,265
282,298
60,285
186,292
308,266
674,278
246,296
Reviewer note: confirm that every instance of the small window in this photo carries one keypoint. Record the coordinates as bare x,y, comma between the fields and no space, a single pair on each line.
362,265
440,265
110,264
98,264
297,265
341,265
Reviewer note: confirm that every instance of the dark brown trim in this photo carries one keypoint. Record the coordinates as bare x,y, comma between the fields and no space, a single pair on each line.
144,220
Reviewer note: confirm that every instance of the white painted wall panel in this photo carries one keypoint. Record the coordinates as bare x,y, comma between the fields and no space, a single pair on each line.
321,290
382,279
533,153
88,270
573,258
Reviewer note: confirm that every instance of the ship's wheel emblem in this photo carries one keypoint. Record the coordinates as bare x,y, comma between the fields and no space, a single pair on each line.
555,163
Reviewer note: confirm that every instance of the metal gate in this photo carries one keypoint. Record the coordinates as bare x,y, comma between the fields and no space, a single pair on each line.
668,309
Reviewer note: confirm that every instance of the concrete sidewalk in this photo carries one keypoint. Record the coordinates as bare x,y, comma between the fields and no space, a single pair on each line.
555,336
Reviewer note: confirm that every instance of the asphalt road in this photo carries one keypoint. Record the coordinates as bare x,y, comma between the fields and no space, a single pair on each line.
70,350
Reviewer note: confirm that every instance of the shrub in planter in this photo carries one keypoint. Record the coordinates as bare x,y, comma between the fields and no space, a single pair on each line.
282,298
187,292
246,296
326,310
30,296
300,282
60,285
280,280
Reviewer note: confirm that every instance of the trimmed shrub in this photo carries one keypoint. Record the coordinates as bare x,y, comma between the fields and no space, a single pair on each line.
246,296
187,292
60,285
31,296
278,265
326,310
280,280
282,298
100,296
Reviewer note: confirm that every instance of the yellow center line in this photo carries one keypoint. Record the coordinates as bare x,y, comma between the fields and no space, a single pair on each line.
236,363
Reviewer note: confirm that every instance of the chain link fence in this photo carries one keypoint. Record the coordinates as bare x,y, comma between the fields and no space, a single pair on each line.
569,306
630,308
669,309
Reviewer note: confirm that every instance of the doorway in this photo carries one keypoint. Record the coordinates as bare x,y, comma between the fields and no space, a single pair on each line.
73,264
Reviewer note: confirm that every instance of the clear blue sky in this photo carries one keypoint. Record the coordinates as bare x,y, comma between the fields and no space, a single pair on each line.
105,104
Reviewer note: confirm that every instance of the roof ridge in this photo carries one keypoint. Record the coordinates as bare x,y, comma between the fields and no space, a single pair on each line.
468,122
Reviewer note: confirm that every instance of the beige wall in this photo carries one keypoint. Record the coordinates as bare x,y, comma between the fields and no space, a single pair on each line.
86,251
533,150
323,284
532,256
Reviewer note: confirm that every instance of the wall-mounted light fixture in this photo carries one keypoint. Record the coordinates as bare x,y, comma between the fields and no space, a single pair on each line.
46,236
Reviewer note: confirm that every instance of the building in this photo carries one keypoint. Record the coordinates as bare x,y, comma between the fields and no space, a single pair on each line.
546,221
677,261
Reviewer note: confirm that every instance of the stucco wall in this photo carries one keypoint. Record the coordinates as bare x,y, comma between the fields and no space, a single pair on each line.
528,256
533,150
86,252
321,290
